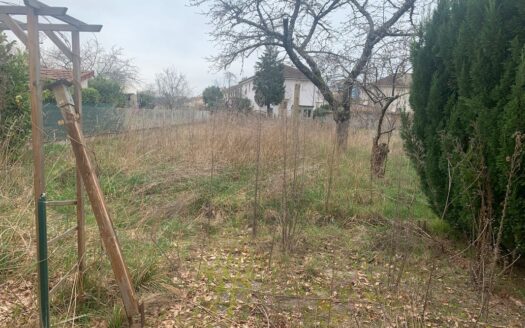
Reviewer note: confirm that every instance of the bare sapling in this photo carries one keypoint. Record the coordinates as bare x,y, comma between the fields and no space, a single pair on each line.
295,140
257,174
492,275
284,217
330,176
384,99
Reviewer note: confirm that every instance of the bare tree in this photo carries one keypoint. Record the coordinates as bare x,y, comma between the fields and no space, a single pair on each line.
327,40
172,87
109,63
382,86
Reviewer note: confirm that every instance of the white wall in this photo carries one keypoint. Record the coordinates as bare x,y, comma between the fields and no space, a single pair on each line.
309,96
401,103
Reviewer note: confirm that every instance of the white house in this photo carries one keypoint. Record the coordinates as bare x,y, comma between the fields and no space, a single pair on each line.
401,86
310,97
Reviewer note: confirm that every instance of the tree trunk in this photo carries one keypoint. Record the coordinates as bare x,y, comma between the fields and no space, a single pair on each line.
378,158
379,151
269,110
342,134
342,124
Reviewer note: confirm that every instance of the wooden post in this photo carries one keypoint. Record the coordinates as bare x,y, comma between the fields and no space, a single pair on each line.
296,99
35,87
81,230
96,198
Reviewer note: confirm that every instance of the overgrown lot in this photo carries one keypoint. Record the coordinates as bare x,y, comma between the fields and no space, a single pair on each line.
355,251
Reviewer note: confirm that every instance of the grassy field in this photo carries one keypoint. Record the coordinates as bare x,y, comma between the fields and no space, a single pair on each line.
355,252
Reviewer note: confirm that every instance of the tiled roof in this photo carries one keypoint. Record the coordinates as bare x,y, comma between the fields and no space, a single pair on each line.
401,81
62,74
289,73
293,73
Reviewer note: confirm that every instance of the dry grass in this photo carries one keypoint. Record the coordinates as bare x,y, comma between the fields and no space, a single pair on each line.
371,254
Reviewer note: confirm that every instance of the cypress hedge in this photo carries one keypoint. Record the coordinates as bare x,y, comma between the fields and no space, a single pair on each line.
468,101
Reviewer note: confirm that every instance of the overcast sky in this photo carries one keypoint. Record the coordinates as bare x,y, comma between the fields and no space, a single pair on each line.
156,34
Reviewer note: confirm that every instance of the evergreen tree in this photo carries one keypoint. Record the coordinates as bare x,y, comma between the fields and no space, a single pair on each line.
468,97
269,80
212,96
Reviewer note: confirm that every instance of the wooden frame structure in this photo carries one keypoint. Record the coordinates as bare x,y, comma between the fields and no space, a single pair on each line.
72,111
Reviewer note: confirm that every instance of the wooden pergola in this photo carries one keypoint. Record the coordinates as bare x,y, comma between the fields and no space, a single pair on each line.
28,32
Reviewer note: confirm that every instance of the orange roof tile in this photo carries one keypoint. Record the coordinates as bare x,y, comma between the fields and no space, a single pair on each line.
62,74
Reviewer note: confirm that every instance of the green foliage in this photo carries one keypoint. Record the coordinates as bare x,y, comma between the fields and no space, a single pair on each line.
212,96
48,97
109,90
468,97
322,111
90,96
241,104
146,99
15,121
269,80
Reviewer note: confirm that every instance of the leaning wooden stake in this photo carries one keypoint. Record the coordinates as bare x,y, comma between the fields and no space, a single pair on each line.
96,198
81,230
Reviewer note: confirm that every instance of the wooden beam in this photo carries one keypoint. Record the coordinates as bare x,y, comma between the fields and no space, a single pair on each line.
22,10
60,44
96,198
81,221
58,27
14,27
35,88
63,17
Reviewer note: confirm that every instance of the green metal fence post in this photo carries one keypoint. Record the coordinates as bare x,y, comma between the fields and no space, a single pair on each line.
42,263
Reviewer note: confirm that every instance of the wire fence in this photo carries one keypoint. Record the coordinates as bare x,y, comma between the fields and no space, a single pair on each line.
107,119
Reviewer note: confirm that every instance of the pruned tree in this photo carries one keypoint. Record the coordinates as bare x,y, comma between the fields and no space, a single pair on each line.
327,40
384,84
268,82
172,88
111,64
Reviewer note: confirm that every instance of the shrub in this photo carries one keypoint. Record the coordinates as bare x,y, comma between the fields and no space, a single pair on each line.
15,117
468,97
90,96
322,111
146,99
109,90
241,104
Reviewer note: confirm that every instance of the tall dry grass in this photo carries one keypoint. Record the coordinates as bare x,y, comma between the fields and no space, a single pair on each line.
165,156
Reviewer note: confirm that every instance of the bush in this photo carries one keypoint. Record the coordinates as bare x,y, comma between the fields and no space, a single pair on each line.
109,90
468,97
241,104
15,114
90,96
322,111
146,99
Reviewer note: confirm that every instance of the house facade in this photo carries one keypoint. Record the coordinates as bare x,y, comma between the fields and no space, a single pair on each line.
401,86
310,97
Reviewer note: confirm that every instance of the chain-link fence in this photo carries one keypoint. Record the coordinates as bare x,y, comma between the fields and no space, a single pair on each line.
108,119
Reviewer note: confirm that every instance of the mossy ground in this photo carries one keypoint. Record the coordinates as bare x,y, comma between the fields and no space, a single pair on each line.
373,254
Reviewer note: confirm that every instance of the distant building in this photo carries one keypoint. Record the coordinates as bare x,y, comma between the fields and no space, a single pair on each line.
402,87
196,102
310,97
62,74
